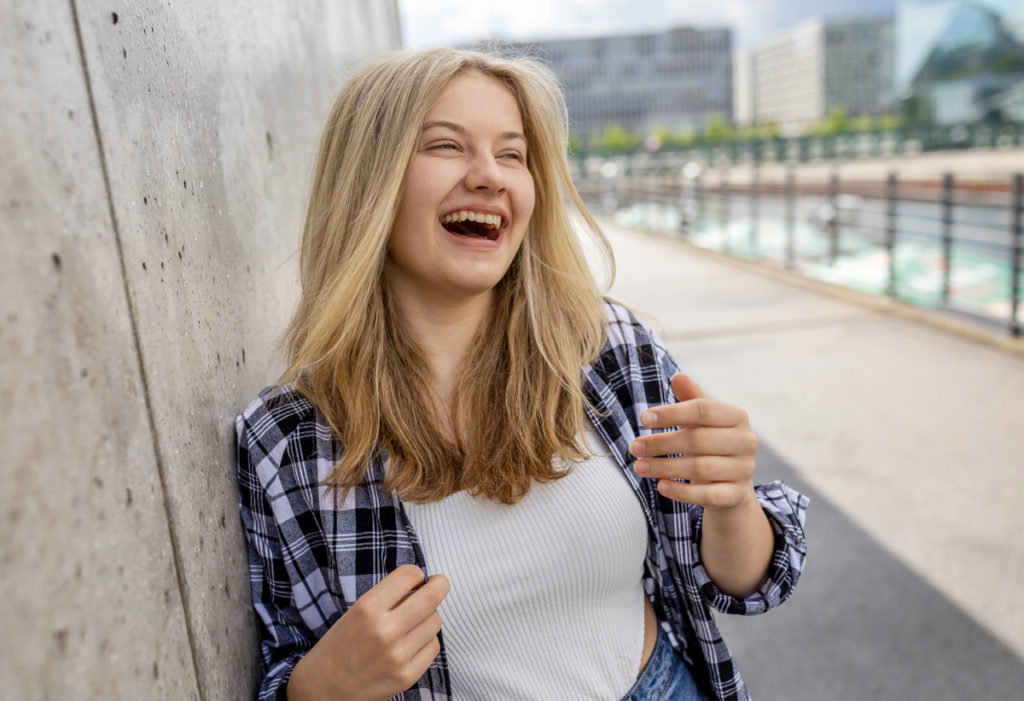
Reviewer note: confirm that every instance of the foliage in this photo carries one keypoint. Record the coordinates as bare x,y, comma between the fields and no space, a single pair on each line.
615,138
835,123
889,122
758,132
717,132
673,139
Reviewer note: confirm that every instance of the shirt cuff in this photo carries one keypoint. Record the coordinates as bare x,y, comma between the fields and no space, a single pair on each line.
786,511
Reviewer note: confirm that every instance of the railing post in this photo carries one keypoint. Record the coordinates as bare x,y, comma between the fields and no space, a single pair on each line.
890,231
632,180
947,236
698,191
754,207
684,203
833,224
790,197
724,188
1015,252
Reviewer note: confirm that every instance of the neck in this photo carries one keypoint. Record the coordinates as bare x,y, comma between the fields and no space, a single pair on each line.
444,330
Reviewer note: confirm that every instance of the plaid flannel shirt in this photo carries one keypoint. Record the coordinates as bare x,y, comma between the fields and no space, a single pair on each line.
310,558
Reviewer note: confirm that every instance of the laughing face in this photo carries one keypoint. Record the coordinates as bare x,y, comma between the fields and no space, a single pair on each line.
467,196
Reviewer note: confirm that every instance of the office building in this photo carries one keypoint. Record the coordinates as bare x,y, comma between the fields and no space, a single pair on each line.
673,80
800,75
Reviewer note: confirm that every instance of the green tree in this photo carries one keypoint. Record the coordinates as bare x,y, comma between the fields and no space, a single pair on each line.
836,122
717,130
681,138
888,122
862,124
616,139
916,110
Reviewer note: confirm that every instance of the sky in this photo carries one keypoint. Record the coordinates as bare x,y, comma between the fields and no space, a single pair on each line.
428,23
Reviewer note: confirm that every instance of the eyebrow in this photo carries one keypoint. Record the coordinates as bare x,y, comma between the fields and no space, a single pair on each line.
458,128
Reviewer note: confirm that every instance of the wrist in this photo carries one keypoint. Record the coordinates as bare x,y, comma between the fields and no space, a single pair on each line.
297,687
306,684
736,516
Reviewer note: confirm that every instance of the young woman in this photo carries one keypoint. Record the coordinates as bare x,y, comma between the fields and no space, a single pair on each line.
477,478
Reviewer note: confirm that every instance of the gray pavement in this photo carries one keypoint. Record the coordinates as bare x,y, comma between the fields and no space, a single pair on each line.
908,439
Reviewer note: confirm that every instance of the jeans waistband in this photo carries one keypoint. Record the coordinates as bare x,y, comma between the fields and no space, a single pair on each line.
664,677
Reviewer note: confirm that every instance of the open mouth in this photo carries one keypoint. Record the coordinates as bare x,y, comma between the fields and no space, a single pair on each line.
473,224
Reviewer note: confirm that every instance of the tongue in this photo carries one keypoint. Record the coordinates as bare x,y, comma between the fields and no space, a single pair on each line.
472,230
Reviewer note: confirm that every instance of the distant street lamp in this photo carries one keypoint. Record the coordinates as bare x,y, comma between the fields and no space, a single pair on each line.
689,197
610,197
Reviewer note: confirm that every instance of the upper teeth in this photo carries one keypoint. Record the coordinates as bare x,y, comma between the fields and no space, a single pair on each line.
491,220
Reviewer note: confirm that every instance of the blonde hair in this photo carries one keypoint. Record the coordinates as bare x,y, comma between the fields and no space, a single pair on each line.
522,386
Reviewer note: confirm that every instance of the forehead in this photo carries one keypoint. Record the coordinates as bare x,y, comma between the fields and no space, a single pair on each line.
475,98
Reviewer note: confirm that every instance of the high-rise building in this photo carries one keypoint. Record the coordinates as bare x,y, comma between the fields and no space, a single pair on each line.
960,61
674,80
800,75
743,88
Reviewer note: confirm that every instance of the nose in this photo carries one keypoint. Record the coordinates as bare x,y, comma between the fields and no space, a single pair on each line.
485,174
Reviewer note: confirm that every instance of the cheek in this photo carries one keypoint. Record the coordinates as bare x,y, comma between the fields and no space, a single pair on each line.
421,189
400,228
527,199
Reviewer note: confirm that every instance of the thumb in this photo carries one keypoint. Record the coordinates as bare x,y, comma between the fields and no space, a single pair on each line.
684,388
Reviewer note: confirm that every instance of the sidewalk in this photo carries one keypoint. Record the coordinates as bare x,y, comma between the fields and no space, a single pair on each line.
908,439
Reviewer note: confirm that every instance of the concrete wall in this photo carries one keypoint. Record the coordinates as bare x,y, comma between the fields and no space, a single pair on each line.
154,159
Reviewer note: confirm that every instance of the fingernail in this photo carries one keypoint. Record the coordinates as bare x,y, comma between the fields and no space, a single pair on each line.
641,467
637,448
648,418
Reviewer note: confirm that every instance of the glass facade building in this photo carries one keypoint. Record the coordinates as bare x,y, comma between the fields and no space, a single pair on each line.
673,80
960,61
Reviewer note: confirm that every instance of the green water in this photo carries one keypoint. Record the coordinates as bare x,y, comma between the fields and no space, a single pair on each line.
979,283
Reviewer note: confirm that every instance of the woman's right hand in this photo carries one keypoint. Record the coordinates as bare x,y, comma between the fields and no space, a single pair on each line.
380,646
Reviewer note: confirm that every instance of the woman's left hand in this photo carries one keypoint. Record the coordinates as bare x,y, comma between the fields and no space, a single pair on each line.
717,444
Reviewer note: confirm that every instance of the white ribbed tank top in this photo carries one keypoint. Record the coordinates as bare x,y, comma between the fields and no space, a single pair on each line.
546,598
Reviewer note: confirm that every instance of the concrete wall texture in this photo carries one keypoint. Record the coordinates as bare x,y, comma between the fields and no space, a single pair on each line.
154,161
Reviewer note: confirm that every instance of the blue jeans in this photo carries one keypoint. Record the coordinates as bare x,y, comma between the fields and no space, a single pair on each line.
664,677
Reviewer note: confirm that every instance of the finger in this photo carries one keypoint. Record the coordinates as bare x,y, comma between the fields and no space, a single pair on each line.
390,591
417,649
704,440
717,495
694,412
685,388
703,468
423,602
420,661
420,635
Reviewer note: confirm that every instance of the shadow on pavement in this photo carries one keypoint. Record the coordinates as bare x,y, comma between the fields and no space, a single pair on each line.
862,626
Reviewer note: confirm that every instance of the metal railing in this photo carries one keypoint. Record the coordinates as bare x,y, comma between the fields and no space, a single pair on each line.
942,244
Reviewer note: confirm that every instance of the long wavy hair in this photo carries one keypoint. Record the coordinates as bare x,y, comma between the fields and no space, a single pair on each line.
521,387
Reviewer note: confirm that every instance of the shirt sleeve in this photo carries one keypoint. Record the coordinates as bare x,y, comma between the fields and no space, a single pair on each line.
786,510
284,637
